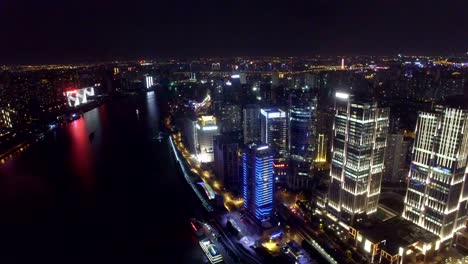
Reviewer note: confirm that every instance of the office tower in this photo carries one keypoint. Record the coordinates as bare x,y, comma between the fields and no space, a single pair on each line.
258,181
231,118
437,194
359,136
233,92
274,132
205,131
395,158
273,128
226,159
251,123
302,140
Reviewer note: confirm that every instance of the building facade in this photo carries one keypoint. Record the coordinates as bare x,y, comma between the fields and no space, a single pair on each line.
359,138
231,118
437,194
251,124
226,157
258,181
302,141
395,158
274,130
274,133
205,130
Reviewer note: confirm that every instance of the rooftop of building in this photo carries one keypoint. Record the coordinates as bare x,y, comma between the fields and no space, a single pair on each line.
207,120
397,232
273,112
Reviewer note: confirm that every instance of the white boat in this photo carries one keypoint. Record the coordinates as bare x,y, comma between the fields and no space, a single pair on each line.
211,251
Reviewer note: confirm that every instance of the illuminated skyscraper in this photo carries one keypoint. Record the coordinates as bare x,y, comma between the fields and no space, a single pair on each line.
274,131
437,194
205,131
302,140
274,128
359,138
258,181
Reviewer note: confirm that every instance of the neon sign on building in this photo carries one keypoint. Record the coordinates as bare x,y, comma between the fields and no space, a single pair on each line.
79,96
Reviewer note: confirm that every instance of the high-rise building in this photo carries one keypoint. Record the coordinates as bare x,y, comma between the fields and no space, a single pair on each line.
231,118
251,124
149,82
437,194
258,181
226,158
274,131
274,128
205,131
359,137
395,158
302,141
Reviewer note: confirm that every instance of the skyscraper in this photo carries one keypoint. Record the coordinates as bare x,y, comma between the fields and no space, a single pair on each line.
226,158
258,181
274,131
437,194
251,123
231,118
205,131
359,136
302,140
395,158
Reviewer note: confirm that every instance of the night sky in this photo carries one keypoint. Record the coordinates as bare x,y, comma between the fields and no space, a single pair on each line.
47,31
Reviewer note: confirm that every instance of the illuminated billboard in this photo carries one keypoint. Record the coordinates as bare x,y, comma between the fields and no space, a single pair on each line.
79,96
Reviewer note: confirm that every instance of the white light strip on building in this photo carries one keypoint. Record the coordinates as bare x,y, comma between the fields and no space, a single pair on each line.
342,95
209,128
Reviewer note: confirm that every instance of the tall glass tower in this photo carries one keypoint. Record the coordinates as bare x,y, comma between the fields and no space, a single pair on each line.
274,133
302,140
359,140
258,181
437,194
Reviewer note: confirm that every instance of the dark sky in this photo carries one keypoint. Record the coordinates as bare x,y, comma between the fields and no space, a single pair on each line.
45,31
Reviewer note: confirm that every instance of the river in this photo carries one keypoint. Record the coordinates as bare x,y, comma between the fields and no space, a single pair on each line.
117,198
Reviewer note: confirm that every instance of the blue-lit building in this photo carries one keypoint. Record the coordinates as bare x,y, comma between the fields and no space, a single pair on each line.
258,181
302,140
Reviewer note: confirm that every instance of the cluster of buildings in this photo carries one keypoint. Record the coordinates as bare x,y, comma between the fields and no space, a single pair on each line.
435,205
34,98
341,144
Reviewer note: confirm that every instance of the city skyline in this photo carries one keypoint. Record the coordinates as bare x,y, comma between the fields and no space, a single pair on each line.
303,132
